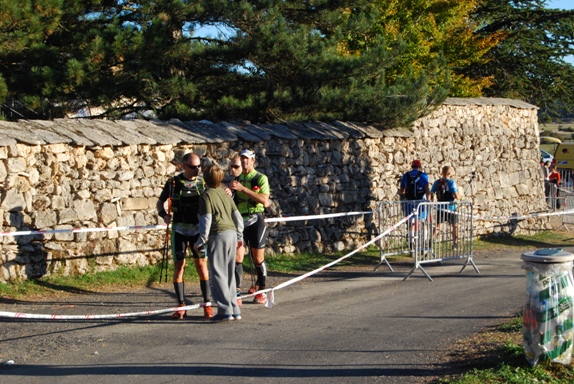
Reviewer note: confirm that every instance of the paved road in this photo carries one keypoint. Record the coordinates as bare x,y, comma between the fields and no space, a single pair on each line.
345,327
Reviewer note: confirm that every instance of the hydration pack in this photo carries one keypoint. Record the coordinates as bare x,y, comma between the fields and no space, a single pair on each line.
185,199
443,193
414,191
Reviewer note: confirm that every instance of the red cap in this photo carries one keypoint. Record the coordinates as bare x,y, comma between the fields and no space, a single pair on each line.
416,164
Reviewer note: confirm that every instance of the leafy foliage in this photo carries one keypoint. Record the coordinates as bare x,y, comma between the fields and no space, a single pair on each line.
24,25
282,61
528,64
297,69
434,28
387,62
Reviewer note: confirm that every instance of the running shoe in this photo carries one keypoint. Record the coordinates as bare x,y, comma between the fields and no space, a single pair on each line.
207,312
178,315
237,316
254,289
221,318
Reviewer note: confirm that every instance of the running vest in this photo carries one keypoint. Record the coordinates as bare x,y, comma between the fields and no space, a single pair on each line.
185,199
245,205
443,192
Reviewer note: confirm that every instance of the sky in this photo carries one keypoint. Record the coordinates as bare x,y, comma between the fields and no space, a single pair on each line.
562,4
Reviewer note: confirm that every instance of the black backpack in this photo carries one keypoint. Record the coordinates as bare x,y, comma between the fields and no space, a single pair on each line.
442,191
413,192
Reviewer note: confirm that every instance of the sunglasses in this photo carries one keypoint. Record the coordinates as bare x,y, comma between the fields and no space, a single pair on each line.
235,166
191,166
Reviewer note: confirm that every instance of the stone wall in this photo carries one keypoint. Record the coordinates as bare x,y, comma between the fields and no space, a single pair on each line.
67,174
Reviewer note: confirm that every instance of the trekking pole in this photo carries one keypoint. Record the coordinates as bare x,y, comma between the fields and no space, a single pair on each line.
164,259
251,266
167,236
166,246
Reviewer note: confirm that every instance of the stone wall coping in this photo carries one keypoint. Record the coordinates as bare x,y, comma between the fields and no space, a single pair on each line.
102,133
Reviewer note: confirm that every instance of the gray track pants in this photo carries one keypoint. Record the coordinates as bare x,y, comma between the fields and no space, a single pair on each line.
221,253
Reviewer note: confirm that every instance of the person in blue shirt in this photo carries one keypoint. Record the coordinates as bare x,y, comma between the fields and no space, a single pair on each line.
446,191
414,187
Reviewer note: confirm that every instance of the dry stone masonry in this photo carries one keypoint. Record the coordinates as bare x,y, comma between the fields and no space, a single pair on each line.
66,174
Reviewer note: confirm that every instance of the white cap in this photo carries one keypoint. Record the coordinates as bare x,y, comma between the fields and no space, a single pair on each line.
247,153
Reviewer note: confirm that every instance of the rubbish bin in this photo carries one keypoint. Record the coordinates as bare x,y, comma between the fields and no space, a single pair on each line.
547,322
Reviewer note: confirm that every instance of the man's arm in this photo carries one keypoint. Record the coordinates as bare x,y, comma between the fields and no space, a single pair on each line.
428,193
166,217
262,198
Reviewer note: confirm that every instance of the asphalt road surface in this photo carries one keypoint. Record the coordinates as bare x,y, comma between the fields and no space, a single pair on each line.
359,326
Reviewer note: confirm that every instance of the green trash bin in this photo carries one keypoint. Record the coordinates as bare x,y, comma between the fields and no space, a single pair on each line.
547,322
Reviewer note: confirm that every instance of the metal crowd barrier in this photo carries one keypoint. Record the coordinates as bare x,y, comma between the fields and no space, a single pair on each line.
556,195
437,232
568,218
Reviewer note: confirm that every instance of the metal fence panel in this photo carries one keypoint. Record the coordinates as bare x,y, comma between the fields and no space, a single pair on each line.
438,231
568,205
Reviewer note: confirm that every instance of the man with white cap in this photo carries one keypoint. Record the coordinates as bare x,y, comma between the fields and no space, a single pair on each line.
252,197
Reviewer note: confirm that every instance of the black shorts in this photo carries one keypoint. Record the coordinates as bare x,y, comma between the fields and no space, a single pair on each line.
255,235
447,215
180,244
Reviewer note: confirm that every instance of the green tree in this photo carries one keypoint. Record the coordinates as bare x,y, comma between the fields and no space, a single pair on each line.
114,56
434,28
24,25
290,61
528,64
285,60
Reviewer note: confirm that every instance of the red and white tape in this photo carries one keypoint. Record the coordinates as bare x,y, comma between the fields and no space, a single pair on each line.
163,226
81,230
269,304
271,297
19,315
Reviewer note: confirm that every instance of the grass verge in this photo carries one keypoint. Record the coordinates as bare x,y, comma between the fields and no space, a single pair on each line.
132,277
497,356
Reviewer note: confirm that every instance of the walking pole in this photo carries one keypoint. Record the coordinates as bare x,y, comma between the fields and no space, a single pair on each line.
164,259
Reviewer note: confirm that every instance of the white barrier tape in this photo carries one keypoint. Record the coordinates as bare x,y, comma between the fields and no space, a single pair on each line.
81,230
313,217
163,226
497,218
18,315
514,217
566,191
269,304
269,220
271,298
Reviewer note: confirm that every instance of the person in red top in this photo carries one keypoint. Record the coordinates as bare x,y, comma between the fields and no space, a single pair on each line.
555,179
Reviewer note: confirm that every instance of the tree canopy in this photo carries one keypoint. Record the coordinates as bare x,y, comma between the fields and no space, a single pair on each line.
387,62
529,62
